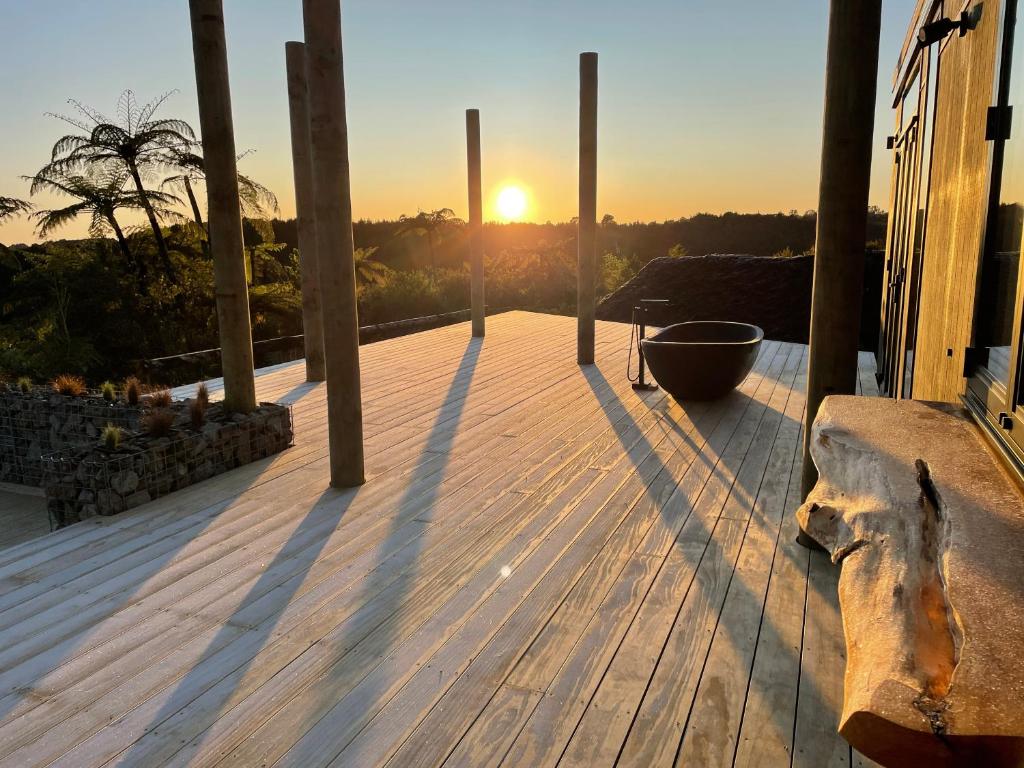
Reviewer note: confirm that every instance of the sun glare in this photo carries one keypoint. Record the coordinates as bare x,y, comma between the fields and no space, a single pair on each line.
511,203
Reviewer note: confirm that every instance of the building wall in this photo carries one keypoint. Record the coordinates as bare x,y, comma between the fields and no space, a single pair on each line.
957,206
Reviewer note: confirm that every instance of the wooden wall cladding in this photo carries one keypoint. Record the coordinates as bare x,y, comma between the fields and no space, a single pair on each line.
957,206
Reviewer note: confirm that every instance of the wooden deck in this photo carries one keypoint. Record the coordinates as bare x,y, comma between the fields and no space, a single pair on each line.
23,514
543,568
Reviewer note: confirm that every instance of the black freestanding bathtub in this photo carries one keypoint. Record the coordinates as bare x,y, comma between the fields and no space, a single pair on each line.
702,360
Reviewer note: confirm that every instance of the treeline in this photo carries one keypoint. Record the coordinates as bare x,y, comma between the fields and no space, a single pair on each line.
83,307
401,245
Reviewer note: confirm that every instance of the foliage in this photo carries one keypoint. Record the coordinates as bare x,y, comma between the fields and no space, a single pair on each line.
159,399
197,413
413,293
99,194
110,437
132,390
616,270
158,422
67,384
677,251
432,224
108,391
24,384
81,307
12,206
369,271
190,169
136,143
401,246
203,394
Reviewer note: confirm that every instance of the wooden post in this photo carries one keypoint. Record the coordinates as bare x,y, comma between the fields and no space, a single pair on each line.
334,244
476,222
850,83
224,212
302,163
586,238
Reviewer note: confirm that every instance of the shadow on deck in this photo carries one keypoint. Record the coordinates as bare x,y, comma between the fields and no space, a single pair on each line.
544,567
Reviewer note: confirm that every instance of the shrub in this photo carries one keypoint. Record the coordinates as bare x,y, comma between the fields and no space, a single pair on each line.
111,437
203,394
132,390
158,422
160,399
25,385
109,391
67,384
197,413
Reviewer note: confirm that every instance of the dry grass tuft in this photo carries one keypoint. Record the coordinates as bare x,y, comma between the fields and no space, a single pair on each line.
132,390
158,422
67,384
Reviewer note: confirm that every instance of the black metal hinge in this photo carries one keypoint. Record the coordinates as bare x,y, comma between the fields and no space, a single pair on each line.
998,123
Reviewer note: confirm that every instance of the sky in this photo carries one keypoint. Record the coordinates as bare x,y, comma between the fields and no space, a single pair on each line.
705,106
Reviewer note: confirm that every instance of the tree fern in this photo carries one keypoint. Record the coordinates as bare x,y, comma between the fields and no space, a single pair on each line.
135,140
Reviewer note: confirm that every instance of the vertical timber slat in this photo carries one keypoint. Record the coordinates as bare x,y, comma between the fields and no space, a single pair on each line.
476,208
335,247
305,202
851,74
224,209
586,289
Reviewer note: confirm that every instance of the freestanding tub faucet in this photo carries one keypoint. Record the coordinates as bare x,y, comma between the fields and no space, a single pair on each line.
640,330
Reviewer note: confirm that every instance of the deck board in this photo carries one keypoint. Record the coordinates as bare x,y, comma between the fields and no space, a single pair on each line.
544,567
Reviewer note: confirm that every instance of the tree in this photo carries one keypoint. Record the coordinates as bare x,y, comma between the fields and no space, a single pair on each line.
12,206
430,223
257,201
99,195
136,141
369,271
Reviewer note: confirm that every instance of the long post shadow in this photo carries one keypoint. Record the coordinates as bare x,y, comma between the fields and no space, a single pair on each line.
627,425
331,505
255,637
380,585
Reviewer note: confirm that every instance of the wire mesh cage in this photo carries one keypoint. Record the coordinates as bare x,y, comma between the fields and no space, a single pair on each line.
83,482
42,421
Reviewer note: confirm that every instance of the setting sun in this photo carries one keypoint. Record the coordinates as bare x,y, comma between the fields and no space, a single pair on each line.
511,203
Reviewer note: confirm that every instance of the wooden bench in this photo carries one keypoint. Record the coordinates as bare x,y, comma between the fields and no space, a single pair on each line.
929,530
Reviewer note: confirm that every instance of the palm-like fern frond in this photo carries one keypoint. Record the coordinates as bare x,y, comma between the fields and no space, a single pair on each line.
369,271
12,206
100,194
49,220
256,200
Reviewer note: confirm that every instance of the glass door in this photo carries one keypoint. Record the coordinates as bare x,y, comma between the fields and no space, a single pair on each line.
995,380
903,225
929,87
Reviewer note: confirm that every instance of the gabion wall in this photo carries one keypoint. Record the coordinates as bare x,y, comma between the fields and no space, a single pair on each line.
43,421
83,482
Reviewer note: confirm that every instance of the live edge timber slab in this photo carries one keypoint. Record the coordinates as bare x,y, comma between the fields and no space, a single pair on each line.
929,530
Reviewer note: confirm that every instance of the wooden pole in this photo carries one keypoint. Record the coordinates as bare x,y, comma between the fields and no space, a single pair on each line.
224,211
476,222
586,239
305,202
335,247
851,73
